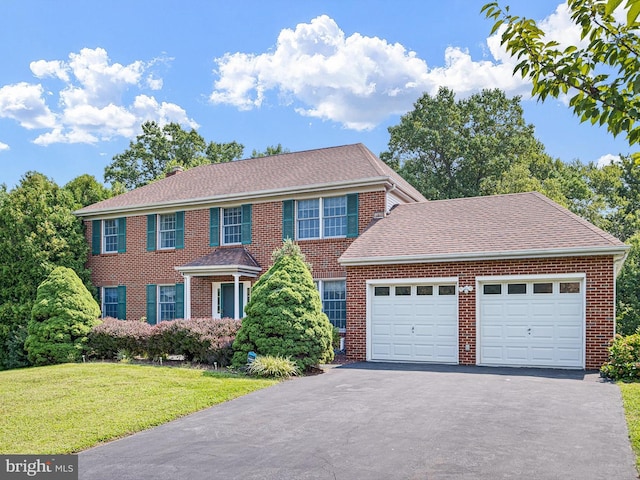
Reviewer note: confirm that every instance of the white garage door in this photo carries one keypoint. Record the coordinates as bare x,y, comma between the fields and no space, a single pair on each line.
531,323
414,323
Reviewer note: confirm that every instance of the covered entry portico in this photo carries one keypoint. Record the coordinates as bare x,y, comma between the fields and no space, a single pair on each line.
234,262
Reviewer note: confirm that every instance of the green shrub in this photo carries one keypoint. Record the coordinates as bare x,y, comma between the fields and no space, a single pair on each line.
624,358
63,314
272,367
284,316
204,340
114,336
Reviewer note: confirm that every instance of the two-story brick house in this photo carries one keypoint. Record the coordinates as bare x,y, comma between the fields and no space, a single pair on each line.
505,280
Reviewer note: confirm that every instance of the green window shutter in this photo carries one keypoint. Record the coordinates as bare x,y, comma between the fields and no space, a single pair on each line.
352,215
179,300
152,316
122,302
288,220
151,232
246,224
214,227
179,230
122,235
96,237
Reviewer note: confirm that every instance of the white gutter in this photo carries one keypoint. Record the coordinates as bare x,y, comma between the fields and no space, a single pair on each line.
619,253
206,270
243,197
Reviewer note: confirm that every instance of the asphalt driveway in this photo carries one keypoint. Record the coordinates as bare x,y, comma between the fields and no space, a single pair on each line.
382,421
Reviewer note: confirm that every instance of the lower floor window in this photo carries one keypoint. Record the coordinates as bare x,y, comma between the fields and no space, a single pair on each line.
334,301
167,302
110,302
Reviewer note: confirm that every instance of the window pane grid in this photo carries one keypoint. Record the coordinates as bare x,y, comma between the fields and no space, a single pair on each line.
334,302
232,225
110,235
335,216
167,230
110,302
167,303
309,218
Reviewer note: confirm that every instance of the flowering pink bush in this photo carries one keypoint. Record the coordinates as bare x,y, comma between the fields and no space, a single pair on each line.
205,340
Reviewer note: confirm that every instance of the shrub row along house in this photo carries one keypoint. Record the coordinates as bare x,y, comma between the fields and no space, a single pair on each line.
503,280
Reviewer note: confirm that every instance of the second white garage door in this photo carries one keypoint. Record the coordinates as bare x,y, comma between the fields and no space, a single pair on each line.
414,322
524,322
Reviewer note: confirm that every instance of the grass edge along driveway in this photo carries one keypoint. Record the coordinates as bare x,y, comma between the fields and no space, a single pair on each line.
71,407
631,402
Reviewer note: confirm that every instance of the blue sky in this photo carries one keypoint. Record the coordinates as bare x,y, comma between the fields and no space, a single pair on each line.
77,78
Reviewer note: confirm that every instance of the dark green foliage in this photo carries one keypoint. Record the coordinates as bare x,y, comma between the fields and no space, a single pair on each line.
628,291
38,232
61,318
158,149
624,358
284,316
203,340
86,190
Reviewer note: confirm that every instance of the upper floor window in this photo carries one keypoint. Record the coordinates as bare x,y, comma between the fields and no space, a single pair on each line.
322,217
110,236
167,230
232,225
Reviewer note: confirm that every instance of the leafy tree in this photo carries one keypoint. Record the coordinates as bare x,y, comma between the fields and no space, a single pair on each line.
270,150
284,316
62,316
602,77
628,291
38,232
158,149
450,149
86,190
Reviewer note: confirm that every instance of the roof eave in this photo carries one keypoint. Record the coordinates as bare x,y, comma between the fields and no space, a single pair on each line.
242,196
619,252
206,270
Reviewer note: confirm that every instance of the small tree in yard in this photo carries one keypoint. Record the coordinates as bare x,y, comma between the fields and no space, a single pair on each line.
284,316
61,318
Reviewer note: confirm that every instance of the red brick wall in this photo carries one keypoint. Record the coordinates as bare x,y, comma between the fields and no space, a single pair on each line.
137,267
600,297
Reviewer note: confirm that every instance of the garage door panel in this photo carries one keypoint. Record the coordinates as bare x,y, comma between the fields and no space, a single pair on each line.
531,329
416,327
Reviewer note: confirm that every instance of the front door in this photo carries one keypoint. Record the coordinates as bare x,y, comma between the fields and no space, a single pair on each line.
227,300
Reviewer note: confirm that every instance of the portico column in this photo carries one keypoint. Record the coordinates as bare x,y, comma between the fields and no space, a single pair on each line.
187,296
236,295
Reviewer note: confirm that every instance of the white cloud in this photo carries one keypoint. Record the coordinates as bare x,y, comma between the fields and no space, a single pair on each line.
24,103
607,159
91,105
357,80
3,147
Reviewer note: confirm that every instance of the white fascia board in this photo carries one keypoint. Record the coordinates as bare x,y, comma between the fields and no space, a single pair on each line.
213,270
241,197
617,252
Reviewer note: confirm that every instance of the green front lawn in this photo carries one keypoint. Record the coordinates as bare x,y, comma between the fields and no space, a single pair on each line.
68,408
631,402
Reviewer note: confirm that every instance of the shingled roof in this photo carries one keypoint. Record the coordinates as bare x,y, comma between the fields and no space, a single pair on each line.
500,226
263,177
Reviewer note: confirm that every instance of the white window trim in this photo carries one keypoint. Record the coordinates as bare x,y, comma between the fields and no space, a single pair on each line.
102,299
158,225
320,282
215,297
158,320
104,236
321,218
222,225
